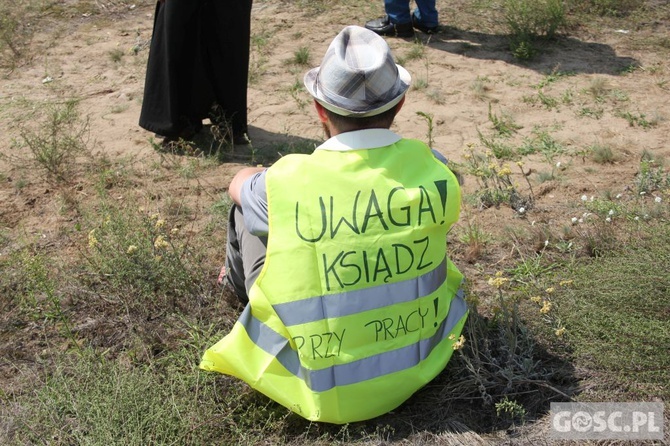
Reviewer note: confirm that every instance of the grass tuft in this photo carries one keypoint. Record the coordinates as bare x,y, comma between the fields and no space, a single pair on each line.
528,20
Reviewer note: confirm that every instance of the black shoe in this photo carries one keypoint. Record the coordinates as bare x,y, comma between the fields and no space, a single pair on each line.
186,133
426,29
384,27
183,139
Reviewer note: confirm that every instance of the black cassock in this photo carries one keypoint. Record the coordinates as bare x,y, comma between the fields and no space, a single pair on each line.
199,57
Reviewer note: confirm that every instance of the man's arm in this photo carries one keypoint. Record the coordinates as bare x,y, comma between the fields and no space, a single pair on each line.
238,180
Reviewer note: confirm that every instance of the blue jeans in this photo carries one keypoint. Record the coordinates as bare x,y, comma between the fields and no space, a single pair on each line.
399,12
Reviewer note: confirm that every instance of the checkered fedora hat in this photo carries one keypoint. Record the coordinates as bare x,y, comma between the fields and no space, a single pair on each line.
358,76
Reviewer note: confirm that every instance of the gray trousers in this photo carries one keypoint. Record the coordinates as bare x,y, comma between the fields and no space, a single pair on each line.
245,255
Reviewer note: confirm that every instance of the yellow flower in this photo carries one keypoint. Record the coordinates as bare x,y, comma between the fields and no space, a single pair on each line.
452,337
498,282
559,332
546,307
159,223
549,290
174,231
504,171
154,216
565,282
92,240
132,249
460,343
536,299
519,163
160,242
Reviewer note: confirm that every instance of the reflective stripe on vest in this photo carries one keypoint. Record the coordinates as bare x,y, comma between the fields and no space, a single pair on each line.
357,371
357,301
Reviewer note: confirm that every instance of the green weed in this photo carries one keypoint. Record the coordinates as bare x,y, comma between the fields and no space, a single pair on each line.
221,207
602,154
475,240
528,20
436,96
499,149
598,89
546,100
480,88
416,51
116,55
567,97
420,83
542,142
56,140
429,120
553,77
301,56
651,177
494,180
638,119
503,124
142,262
297,91
17,20
590,112
510,409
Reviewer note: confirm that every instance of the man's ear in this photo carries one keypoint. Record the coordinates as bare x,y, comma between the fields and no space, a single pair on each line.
321,111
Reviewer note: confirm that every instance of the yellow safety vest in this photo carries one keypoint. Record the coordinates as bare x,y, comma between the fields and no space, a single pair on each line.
353,310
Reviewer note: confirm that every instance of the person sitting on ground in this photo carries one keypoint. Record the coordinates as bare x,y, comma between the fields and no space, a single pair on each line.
352,302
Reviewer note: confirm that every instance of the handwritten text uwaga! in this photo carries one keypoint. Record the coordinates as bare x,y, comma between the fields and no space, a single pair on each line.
348,268
392,210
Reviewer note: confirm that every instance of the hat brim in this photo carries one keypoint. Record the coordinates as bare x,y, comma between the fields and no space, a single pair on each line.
310,81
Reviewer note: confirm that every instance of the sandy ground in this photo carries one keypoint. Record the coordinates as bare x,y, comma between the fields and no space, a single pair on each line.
76,59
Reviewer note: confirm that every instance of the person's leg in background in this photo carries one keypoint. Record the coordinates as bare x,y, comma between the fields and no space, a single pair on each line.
228,33
167,106
397,22
425,16
398,11
400,21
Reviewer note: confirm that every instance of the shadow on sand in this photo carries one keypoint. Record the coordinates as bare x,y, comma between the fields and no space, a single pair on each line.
565,54
264,147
